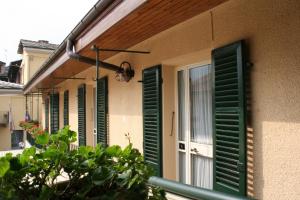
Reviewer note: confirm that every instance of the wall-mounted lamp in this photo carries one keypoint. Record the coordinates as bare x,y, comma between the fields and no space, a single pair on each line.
125,73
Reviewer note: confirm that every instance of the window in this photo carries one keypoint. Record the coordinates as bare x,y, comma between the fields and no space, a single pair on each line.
95,117
66,108
102,110
54,112
211,128
17,139
195,125
81,115
46,114
152,115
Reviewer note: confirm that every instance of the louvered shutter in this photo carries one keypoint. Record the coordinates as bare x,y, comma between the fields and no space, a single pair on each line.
152,117
66,108
81,115
54,112
102,110
47,114
229,119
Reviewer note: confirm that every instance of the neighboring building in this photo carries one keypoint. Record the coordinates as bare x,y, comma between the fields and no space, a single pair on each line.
14,74
3,72
11,95
12,110
10,73
215,104
2,65
34,54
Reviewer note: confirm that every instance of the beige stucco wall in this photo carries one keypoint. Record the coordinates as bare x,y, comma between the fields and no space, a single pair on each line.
271,29
17,103
32,60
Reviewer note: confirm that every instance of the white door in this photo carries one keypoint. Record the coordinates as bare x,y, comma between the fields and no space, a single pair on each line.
95,118
194,120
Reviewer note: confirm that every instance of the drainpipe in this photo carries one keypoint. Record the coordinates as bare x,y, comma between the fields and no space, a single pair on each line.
97,63
80,58
99,7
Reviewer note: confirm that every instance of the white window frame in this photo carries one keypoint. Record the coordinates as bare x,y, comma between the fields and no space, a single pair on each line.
186,69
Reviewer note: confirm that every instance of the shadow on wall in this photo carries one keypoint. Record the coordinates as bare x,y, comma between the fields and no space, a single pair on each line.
249,132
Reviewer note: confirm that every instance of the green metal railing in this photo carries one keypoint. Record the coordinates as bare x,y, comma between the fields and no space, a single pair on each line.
189,191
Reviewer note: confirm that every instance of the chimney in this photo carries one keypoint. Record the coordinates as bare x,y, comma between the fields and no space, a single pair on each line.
43,41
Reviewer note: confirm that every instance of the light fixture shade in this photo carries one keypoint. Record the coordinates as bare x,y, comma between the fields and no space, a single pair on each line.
125,73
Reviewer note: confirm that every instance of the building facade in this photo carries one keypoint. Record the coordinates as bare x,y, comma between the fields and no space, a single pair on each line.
14,105
214,104
12,111
34,54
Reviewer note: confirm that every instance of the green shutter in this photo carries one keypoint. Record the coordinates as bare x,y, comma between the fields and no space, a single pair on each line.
152,117
54,112
66,108
81,115
229,119
47,114
102,110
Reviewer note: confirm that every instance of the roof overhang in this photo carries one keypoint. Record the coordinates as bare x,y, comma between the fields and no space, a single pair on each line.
37,50
125,25
10,92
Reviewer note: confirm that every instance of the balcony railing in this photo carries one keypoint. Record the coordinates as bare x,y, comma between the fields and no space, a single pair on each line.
191,192
13,152
73,146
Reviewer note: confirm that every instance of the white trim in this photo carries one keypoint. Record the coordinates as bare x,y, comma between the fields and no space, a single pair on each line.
38,50
203,148
11,92
171,196
94,116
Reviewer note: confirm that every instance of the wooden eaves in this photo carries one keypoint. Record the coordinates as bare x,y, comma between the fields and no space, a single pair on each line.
122,26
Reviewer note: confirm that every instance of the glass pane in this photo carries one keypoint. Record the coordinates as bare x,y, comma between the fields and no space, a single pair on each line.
202,171
200,81
181,106
94,104
182,167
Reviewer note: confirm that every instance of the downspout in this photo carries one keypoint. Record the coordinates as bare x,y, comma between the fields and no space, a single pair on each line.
80,58
98,8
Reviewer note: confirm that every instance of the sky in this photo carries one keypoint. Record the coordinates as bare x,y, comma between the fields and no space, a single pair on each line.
50,20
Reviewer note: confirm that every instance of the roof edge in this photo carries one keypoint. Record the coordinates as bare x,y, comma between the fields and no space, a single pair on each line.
100,6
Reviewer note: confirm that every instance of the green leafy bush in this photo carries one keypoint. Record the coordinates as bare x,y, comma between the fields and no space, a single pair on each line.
91,173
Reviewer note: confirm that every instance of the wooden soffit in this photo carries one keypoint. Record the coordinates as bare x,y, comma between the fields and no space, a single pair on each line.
148,19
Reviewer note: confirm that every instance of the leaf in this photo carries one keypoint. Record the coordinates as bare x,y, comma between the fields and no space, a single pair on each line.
4,167
54,137
101,175
8,156
15,164
127,151
114,150
51,153
29,151
26,155
85,151
132,181
46,192
63,146
42,139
